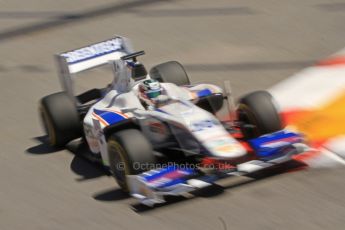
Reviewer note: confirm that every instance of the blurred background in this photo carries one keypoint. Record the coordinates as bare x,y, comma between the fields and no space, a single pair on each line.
254,44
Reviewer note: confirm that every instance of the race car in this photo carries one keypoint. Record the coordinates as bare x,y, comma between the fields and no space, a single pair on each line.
157,133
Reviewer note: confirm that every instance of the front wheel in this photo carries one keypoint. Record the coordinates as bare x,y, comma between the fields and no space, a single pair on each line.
259,110
172,72
130,153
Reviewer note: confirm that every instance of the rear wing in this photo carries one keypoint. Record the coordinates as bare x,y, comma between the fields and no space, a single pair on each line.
84,58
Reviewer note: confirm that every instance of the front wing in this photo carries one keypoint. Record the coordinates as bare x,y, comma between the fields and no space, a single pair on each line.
151,187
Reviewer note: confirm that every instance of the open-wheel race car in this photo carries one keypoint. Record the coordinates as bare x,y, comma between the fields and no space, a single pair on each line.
157,133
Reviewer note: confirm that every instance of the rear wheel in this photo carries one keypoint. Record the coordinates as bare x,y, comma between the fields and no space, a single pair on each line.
258,110
130,153
60,119
172,72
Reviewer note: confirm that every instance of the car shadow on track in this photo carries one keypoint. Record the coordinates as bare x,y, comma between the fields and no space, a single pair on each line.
85,168
89,170
114,194
216,190
42,147
79,165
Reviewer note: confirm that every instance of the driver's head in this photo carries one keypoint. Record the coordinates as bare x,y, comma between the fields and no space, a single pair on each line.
150,88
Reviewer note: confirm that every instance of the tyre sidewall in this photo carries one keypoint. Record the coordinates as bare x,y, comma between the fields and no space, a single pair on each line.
171,72
61,119
261,111
131,147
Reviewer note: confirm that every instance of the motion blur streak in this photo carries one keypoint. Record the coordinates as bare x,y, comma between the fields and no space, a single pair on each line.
322,123
320,114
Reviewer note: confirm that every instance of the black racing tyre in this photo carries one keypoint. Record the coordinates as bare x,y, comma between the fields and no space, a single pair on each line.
259,110
60,119
172,72
130,153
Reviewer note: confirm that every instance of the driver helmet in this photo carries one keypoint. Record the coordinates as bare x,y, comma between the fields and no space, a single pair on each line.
150,88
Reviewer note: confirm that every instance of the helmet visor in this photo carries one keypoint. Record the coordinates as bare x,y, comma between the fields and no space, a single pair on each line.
153,93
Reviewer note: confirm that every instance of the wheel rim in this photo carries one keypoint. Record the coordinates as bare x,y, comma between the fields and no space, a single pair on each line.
120,166
245,115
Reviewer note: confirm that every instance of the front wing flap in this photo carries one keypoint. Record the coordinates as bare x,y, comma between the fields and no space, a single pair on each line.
151,187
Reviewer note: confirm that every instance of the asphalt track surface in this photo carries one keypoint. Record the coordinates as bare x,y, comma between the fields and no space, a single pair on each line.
255,44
